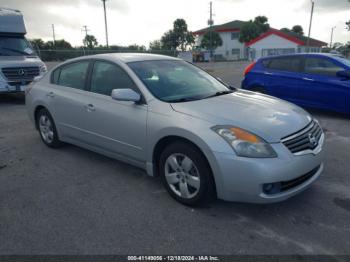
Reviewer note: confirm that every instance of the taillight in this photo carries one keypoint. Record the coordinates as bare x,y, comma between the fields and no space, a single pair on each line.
248,68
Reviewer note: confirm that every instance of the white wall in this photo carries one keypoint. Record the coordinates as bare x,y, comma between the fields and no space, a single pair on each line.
226,49
272,42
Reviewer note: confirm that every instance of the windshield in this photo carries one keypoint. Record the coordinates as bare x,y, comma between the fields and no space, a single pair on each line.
344,60
177,81
15,46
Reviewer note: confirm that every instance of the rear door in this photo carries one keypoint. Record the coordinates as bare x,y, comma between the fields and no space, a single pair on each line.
283,77
321,87
67,99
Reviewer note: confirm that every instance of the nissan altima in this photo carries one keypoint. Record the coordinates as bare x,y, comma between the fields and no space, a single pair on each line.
203,138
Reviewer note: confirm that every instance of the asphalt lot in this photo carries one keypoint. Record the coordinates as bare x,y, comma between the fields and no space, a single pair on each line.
72,201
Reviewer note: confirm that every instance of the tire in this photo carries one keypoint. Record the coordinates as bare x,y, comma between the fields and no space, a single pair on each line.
47,129
186,174
258,89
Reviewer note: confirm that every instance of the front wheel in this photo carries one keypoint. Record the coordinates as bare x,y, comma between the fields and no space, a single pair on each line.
47,129
186,174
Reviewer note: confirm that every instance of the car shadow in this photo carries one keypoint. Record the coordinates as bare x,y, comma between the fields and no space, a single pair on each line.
14,99
327,114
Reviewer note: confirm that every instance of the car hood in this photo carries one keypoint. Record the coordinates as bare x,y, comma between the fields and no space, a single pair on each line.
268,117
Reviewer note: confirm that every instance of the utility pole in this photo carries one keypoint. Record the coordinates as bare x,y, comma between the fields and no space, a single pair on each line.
53,34
308,37
104,8
330,44
85,29
210,23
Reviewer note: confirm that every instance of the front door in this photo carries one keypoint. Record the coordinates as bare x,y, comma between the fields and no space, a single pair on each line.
115,126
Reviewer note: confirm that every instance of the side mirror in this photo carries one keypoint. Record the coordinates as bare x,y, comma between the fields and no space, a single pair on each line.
125,94
344,74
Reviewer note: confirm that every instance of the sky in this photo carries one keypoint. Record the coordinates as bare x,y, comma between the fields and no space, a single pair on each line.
140,21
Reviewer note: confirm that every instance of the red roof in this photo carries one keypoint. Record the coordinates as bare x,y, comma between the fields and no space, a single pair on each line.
293,37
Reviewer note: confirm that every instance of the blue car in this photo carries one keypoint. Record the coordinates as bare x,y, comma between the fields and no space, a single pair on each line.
310,80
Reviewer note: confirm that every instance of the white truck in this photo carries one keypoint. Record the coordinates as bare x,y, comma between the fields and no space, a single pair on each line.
19,64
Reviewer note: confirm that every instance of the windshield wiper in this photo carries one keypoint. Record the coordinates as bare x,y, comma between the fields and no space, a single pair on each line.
184,99
15,50
220,93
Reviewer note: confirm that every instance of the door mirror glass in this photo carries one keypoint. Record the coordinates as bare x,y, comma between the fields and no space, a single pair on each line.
344,74
125,94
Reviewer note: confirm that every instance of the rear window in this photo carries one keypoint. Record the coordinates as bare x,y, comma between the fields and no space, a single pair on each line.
289,64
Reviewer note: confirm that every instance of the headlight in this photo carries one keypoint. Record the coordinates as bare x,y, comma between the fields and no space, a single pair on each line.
245,144
43,69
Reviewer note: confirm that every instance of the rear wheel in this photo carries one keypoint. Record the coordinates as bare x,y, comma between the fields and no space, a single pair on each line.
186,174
47,129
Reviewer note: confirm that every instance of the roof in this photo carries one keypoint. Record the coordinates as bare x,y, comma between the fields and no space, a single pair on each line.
291,36
232,26
11,21
235,26
127,57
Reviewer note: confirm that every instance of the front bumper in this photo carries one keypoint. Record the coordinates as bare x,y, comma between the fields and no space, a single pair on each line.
5,87
242,179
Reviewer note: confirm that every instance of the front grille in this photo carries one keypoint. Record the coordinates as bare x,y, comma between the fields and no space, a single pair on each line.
307,138
21,73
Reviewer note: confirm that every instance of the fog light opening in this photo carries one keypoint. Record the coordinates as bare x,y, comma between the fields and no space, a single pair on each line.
272,188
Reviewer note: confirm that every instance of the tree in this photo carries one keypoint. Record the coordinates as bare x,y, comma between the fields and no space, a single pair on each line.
298,29
155,45
249,31
178,37
168,40
252,29
38,43
261,22
285,29
348,25
337,45
215,42
90,41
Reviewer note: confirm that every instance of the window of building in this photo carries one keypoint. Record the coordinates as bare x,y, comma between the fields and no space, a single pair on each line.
234,35
107,76
236,51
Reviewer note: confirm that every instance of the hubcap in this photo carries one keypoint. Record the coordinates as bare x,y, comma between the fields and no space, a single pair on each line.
46,130
182,175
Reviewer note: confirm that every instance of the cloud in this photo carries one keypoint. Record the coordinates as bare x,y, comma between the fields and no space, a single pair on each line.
328,5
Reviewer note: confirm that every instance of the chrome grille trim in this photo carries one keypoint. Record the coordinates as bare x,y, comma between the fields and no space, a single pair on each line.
308,140
13,73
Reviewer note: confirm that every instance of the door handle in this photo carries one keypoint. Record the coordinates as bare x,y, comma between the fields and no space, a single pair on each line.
268,73
90,107
50,94
308,79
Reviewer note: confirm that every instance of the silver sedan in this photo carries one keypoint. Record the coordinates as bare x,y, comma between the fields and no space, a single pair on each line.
203,138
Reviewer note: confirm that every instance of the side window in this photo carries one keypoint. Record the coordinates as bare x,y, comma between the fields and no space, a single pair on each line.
106,77
321,66
74,75
55,76
289,64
